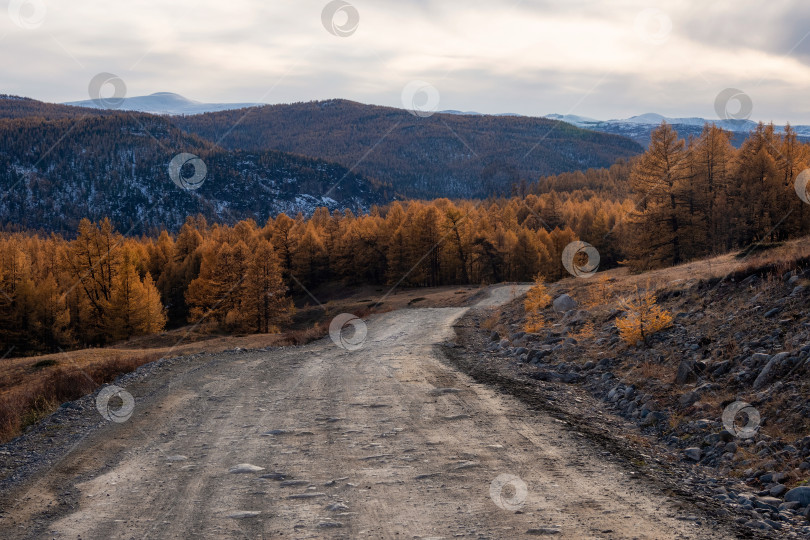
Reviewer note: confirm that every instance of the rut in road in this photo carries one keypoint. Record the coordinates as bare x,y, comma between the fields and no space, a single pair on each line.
386,441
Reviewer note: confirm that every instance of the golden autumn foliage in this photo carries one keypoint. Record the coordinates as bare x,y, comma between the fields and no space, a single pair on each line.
643,318
92,290
240,288
135,306
703,196
99,286
537,298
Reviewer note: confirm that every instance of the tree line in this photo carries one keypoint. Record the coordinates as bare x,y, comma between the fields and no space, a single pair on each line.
100,286
702,196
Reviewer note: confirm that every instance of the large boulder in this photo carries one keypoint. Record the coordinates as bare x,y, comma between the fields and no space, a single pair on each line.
757,359
693,453
537,355
769,371
688,399
800,495
686,372
564,303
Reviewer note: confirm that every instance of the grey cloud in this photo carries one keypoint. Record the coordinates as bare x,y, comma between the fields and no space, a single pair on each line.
774,27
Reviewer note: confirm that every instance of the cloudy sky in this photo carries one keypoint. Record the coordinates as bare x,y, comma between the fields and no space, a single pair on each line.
597,58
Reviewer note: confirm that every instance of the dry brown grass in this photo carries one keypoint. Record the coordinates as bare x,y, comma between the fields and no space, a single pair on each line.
41,393
638,439
654,370
623,282
600,292
714,402
492,322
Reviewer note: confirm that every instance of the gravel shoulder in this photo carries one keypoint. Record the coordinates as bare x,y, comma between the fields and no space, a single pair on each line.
391,440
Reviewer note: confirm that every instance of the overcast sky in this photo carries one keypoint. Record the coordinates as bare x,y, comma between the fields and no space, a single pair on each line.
598,58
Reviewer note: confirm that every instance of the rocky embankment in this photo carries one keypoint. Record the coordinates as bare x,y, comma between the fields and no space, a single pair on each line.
724,391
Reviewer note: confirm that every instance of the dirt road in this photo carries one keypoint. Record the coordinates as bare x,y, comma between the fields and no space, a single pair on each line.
385,441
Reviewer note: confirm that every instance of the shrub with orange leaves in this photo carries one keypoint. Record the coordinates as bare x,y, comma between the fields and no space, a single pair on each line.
536,299
643,318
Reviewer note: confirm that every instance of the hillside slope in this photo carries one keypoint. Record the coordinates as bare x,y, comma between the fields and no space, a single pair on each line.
444,155
740,336
23,107
57,167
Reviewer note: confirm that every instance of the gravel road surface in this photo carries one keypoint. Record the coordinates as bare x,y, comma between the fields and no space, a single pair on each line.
386,441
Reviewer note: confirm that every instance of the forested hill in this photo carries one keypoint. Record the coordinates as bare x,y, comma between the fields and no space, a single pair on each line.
443,155
53,172
23,107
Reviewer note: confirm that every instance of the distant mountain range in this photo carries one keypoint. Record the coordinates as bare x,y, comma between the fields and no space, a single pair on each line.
175,104
639,127
165,103
449,154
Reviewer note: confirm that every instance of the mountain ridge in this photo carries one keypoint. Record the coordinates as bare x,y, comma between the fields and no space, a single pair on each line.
173,104
438,155
164,103
640,127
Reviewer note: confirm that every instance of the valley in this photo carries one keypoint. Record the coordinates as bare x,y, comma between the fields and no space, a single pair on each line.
404,270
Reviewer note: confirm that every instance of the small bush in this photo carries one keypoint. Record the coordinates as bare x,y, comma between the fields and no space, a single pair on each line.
44,363
643,318
304,336
536,299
